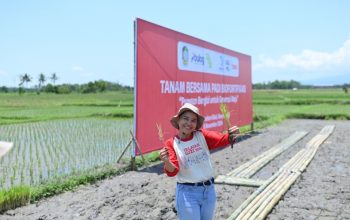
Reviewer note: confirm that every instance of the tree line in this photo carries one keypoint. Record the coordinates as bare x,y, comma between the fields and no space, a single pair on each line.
51,87
292,84
101,86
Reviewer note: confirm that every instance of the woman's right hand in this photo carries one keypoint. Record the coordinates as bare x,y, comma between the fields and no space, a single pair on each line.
164,155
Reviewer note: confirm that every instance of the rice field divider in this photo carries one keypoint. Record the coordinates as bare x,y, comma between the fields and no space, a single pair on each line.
261,202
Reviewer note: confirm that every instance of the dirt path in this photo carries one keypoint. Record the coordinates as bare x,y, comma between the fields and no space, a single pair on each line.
322,191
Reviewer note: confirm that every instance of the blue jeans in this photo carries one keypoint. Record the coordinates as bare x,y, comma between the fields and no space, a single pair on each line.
195,202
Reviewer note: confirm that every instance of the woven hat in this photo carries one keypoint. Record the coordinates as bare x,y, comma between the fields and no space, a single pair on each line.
187,107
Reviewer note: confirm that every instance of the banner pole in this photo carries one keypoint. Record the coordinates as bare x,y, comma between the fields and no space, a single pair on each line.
133,154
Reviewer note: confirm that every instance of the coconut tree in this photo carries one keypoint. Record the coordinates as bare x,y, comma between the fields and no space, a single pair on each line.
42,80
54,78
25,78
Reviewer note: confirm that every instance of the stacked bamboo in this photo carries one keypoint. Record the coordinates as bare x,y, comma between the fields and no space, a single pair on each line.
241,175
260,203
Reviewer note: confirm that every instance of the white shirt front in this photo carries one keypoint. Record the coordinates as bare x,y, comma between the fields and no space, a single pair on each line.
194,159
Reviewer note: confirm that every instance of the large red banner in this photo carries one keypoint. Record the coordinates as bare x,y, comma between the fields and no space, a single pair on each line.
173,68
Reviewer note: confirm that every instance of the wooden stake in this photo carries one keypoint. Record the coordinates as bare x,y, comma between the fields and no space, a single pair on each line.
124,150
138,147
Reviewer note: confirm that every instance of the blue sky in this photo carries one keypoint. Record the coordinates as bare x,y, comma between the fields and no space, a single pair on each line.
82,41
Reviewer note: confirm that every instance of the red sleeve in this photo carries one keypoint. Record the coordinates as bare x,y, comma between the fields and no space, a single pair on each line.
169,144
215,139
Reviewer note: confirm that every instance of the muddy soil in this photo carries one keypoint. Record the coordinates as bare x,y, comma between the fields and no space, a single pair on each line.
321,192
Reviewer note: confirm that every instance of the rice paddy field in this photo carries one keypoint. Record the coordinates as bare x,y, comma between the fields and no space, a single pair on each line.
60,135
49,149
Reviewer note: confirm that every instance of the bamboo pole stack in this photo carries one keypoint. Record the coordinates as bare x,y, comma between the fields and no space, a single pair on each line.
261,202
241,175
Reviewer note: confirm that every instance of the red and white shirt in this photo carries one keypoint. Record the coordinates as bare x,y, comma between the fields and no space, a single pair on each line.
191,156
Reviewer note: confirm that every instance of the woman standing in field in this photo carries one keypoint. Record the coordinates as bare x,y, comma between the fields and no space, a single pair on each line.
187,157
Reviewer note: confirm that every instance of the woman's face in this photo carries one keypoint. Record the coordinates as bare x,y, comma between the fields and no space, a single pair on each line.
187,124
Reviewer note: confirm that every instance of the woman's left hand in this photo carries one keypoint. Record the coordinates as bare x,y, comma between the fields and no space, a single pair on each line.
233,132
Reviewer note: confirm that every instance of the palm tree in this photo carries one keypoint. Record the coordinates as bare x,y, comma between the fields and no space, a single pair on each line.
25,78
54,78
42,80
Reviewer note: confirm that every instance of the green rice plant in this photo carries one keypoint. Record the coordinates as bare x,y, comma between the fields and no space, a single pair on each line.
56,148
226,113
15,197
32,108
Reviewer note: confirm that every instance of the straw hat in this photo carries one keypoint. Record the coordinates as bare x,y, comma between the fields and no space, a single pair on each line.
187,107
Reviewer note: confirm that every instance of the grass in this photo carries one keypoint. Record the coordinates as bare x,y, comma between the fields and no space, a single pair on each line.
274,106
300,97
31,107
14,197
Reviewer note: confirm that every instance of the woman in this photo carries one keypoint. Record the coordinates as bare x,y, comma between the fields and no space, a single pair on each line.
187,157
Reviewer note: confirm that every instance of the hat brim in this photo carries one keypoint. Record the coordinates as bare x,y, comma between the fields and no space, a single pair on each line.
175,119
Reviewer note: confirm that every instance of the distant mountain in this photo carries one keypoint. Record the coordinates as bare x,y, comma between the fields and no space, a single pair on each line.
329,80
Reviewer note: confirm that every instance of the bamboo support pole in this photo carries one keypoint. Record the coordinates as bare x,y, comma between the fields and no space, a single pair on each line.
270,202
251,207
251,197
269,196
256,167
251,167
273,189
269,192
275,200
250,163
290,162
260,203
231,180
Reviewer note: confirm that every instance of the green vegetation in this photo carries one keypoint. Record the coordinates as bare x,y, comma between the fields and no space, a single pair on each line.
273,106
14,197
32,172
30,107
48,149
279,85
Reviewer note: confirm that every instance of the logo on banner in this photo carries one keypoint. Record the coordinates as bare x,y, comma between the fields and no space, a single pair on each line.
185,55
199,59
207,56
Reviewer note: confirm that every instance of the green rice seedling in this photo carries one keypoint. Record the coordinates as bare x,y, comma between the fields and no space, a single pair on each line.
14,197
224,110
45,150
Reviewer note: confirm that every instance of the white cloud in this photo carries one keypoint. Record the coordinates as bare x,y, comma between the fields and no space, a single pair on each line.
83,73
3,73
308,60
77,68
